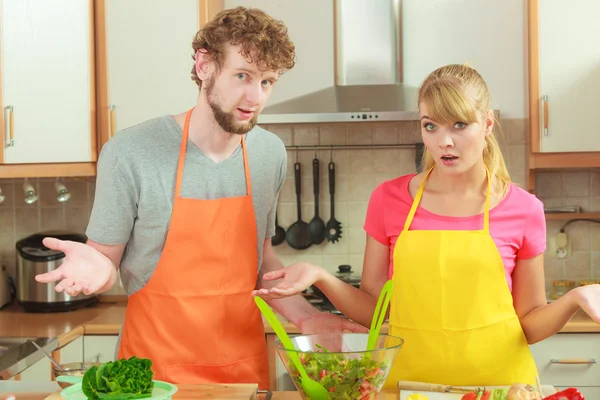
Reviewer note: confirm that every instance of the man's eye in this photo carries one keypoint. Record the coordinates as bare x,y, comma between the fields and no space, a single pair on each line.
241,75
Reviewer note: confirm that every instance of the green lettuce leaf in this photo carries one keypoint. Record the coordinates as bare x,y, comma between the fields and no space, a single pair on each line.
119,380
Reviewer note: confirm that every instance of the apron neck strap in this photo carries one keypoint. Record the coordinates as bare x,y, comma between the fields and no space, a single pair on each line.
486,212
246,168
417,201
182,151
415,204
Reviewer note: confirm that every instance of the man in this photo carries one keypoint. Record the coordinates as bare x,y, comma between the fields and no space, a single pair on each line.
185,206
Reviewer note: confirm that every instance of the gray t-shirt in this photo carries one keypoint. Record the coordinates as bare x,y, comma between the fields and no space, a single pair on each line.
135,185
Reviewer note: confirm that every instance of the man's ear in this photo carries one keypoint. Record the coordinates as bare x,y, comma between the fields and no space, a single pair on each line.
204,64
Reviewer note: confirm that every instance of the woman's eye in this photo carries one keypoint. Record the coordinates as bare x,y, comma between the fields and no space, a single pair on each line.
460,125
429,126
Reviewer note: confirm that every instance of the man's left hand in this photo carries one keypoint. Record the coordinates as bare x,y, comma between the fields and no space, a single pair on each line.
325,322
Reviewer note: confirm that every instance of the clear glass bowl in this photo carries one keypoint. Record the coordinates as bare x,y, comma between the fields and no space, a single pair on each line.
340,362
72,369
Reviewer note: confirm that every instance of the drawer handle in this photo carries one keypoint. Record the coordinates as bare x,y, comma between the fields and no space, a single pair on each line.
11,126
574,361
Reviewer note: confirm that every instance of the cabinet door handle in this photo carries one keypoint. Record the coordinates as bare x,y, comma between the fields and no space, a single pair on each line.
545,113
574,361
112,123
11,126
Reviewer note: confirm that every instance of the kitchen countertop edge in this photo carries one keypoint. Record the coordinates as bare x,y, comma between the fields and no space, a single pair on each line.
106,319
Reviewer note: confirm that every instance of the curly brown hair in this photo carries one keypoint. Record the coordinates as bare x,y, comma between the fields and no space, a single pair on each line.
262,39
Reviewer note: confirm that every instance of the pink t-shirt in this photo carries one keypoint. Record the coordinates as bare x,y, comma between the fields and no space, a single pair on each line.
517,223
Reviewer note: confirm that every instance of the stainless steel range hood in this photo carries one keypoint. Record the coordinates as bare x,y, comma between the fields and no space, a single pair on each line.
369,71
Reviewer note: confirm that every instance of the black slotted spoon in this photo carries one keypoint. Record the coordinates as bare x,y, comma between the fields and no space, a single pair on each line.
298,234
334,227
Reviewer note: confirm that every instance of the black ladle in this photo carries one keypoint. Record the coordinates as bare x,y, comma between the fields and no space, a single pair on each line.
298,234
279,233
316,225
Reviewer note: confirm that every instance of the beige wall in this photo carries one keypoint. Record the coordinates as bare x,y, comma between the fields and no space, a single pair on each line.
358,172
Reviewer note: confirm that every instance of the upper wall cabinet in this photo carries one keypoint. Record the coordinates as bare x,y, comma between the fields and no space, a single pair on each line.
145,60
564,82
47,81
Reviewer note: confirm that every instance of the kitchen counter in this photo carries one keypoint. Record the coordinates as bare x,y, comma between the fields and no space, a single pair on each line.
55,330
50,391
107,318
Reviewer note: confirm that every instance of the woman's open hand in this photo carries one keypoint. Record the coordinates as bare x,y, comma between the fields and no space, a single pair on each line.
292,280
588,298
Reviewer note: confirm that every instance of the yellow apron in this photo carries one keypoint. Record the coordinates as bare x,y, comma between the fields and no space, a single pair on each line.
452,306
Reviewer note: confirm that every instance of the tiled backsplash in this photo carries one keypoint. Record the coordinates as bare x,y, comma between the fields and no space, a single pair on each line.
19,219
357,174
579,188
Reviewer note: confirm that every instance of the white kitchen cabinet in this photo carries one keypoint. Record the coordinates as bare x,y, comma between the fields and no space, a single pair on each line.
38,372
145,57
99,348
72,352
570,360
41,371
47,81
569,75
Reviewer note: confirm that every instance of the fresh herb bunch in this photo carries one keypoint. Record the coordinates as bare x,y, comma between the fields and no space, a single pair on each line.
119,380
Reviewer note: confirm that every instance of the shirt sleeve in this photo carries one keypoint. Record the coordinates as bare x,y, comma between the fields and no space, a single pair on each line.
375,219
115,199
534,235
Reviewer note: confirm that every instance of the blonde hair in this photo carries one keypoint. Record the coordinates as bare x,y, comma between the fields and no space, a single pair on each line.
457,93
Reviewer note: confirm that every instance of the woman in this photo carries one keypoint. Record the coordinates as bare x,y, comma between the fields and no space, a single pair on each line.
464,247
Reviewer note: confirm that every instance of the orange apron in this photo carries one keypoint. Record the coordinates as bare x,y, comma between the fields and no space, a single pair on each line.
452,306
196,318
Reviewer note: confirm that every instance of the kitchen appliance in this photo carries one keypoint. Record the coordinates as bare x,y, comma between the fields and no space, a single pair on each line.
33,258
362,91
7,288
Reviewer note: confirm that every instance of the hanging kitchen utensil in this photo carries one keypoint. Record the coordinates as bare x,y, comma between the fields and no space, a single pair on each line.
334,227
279,233
316,225
298,234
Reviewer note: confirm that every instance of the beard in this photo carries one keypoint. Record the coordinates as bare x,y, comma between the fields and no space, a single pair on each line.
226,120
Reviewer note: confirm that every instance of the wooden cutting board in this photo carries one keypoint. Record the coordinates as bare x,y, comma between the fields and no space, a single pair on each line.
236,391
546,389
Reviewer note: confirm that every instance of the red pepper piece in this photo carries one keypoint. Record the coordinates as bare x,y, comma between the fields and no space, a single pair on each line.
567,394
